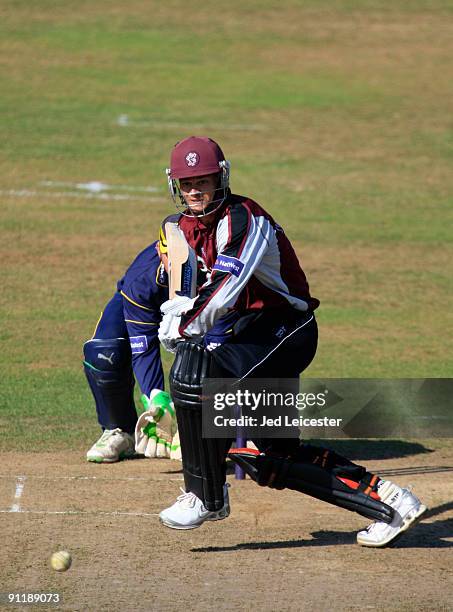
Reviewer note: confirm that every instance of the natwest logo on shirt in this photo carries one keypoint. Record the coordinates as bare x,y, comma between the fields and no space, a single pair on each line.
139,344
224,263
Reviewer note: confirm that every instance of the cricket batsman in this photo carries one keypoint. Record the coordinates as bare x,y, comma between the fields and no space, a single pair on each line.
256,293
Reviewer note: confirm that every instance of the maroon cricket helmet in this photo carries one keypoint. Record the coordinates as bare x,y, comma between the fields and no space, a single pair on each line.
195,156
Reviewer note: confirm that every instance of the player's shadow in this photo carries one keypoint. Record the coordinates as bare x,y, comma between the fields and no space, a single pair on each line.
423,535
367,450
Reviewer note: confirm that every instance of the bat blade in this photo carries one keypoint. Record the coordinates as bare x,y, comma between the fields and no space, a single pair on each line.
182,263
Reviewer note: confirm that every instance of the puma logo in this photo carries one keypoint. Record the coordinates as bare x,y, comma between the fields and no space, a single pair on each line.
109,359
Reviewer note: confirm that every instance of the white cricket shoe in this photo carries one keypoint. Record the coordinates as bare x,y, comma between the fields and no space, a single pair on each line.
188,511
113,445
408,510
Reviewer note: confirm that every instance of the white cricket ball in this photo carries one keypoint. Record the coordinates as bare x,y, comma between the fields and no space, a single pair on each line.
61,561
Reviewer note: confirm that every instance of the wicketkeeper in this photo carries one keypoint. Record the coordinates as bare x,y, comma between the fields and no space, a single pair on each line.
125,344
253,281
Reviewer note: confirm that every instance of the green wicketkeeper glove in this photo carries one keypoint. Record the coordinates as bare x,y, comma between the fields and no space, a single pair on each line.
156,426
175,453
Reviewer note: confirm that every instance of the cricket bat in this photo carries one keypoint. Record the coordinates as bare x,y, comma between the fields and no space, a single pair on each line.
182,263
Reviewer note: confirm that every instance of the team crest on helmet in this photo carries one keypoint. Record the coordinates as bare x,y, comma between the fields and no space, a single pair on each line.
192,159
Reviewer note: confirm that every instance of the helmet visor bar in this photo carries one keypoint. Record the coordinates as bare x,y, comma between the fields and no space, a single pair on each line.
220,193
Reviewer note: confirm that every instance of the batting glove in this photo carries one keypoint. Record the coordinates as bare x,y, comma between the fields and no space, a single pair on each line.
168,334
172,310
177,305
156,426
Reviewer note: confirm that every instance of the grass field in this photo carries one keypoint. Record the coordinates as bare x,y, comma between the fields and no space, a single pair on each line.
336,116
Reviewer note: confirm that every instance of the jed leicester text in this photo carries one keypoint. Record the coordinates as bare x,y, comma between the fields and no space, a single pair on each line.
280,421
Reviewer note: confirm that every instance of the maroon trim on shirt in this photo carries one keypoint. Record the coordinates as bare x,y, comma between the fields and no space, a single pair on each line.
254,295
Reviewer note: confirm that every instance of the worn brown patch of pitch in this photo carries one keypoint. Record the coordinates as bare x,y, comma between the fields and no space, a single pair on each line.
276,546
